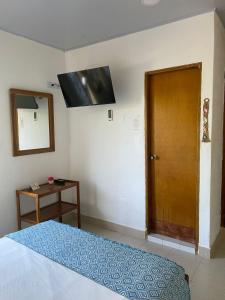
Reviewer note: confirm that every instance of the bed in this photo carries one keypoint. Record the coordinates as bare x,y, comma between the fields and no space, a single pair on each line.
54,261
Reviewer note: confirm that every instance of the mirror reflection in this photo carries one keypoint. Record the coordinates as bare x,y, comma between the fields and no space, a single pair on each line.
33,122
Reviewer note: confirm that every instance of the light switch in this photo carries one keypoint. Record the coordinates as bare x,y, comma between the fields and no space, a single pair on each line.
110,115
35,116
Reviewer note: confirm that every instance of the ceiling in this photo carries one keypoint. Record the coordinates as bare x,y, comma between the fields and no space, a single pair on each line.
68,24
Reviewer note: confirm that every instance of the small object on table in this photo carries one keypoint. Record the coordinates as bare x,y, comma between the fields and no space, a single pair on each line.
50,179
34,186
60,181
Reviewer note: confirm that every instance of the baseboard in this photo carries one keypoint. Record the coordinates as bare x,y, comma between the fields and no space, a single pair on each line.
209,252
204,252
172,243
215,244
109,225
115,227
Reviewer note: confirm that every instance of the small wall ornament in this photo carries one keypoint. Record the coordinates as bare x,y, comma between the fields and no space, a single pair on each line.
205,138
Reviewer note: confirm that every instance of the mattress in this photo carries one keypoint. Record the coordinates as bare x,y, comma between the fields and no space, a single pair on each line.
27,275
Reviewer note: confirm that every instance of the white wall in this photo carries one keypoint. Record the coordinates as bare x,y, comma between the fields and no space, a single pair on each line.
217,128
108,157
28,65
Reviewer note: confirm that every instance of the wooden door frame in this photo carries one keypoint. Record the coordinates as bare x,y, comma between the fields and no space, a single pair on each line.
146,106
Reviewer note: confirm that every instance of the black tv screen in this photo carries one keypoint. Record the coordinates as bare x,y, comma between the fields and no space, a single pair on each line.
87,87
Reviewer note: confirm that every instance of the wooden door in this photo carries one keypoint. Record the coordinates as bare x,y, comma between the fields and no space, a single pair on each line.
173,108
223,174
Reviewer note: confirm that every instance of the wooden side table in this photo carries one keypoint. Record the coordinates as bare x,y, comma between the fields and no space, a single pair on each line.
52,211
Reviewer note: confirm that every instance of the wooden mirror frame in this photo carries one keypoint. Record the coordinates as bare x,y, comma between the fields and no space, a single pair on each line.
14,119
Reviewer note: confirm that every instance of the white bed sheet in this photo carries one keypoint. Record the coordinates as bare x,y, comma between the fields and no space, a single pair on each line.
27,275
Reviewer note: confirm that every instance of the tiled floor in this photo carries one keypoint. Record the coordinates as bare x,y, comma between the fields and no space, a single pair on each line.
207,277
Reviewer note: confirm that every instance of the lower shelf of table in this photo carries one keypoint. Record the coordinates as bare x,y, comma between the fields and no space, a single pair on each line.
49,212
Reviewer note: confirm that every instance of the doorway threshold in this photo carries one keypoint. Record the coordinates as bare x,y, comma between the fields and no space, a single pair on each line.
170,242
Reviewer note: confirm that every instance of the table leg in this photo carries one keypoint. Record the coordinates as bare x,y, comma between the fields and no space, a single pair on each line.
37,207
59,200
18,210
78,205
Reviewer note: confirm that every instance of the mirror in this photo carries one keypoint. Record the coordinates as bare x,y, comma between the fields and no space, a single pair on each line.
32,122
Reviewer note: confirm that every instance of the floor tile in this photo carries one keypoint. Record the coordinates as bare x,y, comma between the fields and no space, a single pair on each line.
155,248
189,262
204,287
131,241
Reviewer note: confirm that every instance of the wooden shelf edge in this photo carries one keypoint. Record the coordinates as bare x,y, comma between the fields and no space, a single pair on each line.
52,189
51,211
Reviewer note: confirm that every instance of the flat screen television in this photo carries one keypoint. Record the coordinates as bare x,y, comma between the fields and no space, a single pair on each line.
87,87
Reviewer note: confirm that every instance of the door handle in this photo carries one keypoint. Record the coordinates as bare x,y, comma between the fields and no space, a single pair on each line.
154,157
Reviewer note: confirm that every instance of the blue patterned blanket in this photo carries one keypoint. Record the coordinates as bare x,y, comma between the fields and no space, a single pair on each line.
133,273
